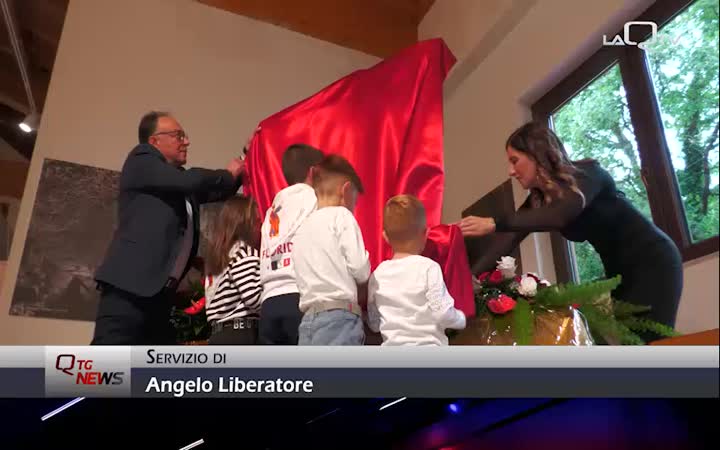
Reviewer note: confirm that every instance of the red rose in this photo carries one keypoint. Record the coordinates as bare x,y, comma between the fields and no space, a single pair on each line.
501,305
483,276
496,277
196,307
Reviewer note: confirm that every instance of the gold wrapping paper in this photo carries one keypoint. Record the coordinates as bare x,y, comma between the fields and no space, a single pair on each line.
552,327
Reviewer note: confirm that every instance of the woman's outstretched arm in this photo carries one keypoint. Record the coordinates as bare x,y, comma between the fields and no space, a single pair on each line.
560,212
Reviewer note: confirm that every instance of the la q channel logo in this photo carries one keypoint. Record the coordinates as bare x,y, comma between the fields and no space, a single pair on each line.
82,371
653,40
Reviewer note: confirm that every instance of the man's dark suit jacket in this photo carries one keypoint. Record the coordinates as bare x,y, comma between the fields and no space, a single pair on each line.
152,217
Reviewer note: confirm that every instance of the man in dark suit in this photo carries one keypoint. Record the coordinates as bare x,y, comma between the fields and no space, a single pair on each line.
157,234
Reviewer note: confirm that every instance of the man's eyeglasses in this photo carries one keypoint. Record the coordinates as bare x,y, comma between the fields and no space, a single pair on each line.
180,135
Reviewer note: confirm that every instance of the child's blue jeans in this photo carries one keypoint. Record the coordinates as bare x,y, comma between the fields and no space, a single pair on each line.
333,327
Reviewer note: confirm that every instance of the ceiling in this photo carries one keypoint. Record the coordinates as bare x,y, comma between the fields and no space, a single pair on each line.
376,27
40,23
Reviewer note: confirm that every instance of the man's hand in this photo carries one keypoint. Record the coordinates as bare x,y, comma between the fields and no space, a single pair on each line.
236,167
246,147
472,226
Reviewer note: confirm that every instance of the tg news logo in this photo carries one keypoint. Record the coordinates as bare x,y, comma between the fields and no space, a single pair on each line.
82,372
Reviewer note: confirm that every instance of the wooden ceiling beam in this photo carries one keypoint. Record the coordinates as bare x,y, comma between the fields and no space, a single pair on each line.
11,85
376,27
423,8
45,18
40,26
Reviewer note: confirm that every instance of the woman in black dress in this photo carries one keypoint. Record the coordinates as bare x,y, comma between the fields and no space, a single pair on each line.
579,199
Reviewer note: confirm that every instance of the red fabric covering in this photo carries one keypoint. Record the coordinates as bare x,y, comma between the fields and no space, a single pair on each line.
387,121
447,246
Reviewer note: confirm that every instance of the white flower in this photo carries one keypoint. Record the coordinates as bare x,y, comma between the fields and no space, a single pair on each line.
541,281
528,287
507,266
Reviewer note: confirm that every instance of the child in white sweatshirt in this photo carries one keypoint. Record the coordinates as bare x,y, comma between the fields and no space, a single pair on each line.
408,302
279,314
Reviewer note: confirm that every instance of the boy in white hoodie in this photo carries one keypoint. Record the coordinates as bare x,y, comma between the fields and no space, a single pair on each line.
279,314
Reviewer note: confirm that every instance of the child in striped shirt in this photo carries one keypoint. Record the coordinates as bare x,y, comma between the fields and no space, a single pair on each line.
232,282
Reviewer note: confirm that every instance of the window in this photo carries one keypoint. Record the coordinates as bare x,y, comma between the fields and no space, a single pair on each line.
684,71
649,115
596,124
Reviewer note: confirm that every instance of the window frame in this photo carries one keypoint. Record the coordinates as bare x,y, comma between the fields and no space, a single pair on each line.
656,165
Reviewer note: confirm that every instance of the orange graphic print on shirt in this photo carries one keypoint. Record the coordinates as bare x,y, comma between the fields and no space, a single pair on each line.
274,222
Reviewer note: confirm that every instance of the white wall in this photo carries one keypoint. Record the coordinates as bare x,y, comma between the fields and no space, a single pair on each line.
3,267
699,304
8,153
13,210
462,23
500,77
219,73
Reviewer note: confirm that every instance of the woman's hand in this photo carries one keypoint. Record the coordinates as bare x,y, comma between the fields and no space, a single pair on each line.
473,226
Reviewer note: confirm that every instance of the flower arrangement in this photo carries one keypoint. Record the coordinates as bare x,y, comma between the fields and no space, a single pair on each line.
188,314
514,303
498,291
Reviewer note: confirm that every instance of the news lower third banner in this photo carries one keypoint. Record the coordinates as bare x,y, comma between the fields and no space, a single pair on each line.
483,371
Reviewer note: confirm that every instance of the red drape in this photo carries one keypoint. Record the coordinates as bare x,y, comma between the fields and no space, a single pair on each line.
387,121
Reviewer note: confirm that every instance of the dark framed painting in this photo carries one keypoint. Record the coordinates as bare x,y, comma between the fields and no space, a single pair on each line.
72,224
497,203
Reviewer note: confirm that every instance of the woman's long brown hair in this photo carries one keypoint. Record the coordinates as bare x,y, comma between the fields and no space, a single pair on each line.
556,173
238,221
